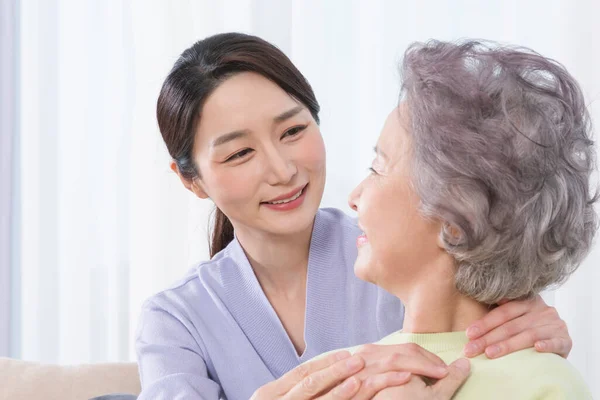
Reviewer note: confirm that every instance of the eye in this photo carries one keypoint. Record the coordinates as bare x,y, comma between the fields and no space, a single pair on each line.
239,154
373,171
293,131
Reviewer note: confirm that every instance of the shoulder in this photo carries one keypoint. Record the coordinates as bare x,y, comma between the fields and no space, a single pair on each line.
555,377
529,374
193,288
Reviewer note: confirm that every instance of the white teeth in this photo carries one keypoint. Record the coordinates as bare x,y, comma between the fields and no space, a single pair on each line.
287,200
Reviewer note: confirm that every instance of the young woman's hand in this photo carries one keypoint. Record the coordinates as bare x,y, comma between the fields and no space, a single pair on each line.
416,389
361,376
329,377
517,325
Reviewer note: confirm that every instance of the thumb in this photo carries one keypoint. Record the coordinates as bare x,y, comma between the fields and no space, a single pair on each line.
458,373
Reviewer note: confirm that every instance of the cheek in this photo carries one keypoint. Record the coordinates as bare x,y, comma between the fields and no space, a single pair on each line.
233,186
310,152
390,221
403,235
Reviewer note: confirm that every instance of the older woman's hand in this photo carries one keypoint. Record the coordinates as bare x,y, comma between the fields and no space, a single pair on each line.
443,389
517,325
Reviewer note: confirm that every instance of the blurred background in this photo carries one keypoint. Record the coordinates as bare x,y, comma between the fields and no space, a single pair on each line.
92,219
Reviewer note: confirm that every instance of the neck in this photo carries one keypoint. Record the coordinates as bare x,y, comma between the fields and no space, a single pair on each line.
280,262
432,303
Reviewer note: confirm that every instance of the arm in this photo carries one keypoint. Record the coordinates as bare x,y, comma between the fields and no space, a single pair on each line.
172,366
517,325
170,360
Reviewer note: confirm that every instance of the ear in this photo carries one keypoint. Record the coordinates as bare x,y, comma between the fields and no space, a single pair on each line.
193,185
451,233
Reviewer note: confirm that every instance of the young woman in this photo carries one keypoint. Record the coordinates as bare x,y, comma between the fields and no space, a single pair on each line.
241,125
480,191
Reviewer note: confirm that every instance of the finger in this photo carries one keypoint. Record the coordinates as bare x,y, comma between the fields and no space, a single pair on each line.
345,390
376,383
414,388
415,364
405,348
291,378
497,335
498,316
560,346
523,340
325,379
434,358
459,372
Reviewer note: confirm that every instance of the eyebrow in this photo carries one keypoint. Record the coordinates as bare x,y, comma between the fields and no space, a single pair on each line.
228,137
287,114
379,152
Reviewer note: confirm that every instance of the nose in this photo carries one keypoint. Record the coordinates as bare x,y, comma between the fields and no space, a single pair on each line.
354,197
282,168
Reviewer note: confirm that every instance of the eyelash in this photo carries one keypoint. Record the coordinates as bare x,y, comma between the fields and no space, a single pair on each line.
290,132
296,130
239,154
373,171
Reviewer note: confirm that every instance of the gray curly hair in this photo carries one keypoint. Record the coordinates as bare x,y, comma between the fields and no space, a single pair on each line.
502,155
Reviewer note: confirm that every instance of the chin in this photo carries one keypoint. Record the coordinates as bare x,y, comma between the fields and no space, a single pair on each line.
362,268
296,221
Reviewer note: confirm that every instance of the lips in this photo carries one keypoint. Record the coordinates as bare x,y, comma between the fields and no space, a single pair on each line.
290,196
362,240
289,203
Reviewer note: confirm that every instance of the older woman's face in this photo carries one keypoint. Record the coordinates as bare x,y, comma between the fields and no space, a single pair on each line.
397,241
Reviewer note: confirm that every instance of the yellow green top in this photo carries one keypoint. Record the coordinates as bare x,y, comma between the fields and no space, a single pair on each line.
525,374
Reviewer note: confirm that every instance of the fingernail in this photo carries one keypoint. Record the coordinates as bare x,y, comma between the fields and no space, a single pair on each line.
471,348
541,346
349,385
442,370
473,332
463,364
402,376
354,363
492,351
342,355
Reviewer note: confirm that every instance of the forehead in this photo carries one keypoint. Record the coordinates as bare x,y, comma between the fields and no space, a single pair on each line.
243,99
393,140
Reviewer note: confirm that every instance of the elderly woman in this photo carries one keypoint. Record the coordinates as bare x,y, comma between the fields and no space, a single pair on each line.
479,192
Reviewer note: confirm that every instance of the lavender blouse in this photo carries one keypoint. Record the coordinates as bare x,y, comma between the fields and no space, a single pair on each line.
215,335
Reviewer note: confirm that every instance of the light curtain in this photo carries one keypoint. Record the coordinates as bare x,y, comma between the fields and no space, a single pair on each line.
105,223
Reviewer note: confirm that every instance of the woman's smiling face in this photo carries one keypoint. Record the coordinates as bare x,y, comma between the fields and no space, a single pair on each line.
397,240
260,156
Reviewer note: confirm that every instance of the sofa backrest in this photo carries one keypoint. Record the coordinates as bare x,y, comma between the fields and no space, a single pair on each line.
26,380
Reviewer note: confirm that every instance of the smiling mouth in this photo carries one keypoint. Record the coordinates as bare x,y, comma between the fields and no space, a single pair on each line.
362,240
289,199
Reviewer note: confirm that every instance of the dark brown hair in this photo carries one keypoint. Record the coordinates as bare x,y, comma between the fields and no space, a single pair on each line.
195,75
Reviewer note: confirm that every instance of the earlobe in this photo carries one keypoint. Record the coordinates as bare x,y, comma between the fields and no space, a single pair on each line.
173,167
197,189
